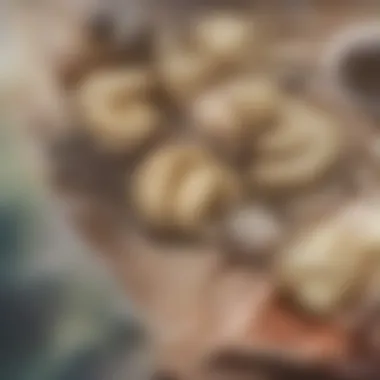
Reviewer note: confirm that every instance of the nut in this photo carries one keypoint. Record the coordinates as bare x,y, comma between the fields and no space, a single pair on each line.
181,187
116,109
254,231
215,119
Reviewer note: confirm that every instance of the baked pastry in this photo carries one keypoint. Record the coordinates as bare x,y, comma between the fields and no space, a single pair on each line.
183,188
116,108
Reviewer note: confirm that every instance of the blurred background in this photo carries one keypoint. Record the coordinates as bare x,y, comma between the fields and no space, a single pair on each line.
61,315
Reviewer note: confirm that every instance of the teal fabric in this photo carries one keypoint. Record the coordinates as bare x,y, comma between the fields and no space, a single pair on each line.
61,316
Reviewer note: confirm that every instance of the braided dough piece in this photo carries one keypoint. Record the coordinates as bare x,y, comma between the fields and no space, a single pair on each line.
298,151
116,109
182,187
